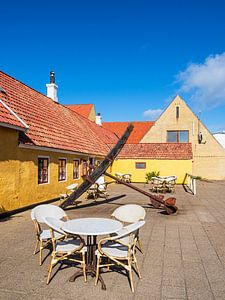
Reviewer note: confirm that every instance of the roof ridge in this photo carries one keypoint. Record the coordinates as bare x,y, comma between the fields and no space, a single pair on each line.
129,122
79,104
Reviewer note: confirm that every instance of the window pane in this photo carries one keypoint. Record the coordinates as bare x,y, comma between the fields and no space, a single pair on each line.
75,169
84,168
171,136
140,165
62,169
183,136
42,170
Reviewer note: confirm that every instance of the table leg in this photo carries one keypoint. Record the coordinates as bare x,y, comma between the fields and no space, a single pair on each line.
91,261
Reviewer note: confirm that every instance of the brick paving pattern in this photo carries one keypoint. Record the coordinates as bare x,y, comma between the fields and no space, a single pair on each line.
184,254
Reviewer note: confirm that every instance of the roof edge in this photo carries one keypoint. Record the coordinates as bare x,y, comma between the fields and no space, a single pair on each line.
6,125
42,148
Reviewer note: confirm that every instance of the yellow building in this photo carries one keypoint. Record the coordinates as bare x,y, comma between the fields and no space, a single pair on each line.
166,158
44,146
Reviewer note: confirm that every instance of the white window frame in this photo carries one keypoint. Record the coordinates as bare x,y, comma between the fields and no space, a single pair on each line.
48,157
77,159
64,158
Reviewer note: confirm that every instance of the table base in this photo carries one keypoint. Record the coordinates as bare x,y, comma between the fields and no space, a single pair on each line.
91,261
89,271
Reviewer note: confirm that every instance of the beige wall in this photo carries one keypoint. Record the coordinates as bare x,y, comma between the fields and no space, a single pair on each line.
208,157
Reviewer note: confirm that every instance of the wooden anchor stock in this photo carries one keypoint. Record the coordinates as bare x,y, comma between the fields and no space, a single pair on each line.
156,201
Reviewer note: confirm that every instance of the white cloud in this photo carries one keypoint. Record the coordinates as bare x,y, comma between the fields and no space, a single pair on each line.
205,83
152,113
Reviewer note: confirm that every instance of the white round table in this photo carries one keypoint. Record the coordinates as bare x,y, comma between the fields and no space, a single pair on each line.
91,227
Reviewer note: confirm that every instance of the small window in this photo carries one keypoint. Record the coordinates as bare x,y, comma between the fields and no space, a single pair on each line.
91,165
177,112
84,168
43,170
177,136
76,169
140,165
62,169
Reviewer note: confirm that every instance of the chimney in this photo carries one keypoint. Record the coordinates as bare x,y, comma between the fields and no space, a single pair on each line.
98,119
52,87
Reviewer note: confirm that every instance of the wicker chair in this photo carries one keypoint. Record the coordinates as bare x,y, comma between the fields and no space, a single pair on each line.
130,213
43,236
119,250
98,189
66,249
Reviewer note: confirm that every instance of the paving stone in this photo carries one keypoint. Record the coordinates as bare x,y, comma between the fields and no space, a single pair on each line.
174,292
184,254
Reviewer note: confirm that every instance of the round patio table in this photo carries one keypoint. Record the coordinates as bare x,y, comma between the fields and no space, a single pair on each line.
91,227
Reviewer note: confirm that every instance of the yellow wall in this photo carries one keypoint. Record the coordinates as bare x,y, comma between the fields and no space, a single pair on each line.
166,167
9,167
19,173
208,157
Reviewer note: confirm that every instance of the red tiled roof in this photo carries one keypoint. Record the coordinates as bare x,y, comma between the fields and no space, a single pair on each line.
8,117
51,124
82,109
157,151
140,129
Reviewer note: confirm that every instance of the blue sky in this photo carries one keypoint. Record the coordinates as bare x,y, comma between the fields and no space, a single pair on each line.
129,58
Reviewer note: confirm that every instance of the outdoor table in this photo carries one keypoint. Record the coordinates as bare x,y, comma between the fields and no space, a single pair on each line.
165,179
91,227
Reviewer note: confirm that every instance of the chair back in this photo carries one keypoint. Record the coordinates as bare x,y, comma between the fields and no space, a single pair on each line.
129,213
101,183
100,180
32,214
48,210
54,224
131,231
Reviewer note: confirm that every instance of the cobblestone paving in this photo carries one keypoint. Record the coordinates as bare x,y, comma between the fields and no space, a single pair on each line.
184,254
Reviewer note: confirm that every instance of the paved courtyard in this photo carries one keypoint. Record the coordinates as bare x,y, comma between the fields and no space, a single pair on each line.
184,254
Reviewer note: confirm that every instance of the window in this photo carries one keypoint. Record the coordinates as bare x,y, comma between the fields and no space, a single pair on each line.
178,136
76,169
84,168
177,112
91,165
62,169
140,165
43,170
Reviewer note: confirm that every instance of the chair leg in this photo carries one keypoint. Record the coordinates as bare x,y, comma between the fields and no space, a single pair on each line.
108,267
140,246
97,270
41,249
137,267
36,246
49,272
52,263
131,279
84,267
